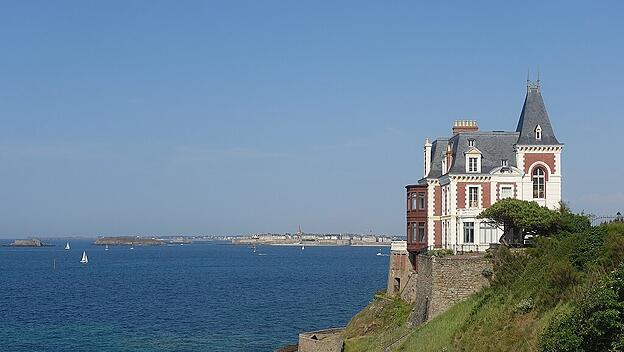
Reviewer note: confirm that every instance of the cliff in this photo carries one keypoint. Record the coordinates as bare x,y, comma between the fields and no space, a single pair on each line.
564,294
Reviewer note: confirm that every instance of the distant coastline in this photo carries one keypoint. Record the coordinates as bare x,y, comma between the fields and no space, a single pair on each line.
128,241
313,240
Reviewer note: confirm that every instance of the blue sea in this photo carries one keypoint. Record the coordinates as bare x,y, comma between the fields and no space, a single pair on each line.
196,297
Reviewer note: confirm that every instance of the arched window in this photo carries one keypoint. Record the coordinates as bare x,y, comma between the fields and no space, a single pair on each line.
538,132
539,182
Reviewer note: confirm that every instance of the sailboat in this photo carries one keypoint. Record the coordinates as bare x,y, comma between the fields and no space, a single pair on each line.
302,247
67,246
84,259
106,248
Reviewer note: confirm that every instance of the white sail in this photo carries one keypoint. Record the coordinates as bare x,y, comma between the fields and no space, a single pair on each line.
84,259
67,246
106,248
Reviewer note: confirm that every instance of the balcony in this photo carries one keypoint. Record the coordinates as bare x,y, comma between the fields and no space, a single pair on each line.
416,246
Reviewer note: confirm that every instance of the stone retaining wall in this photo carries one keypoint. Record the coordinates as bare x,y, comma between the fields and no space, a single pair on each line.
437,283
454,278
328,340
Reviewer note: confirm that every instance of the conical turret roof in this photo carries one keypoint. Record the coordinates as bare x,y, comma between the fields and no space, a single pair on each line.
534,117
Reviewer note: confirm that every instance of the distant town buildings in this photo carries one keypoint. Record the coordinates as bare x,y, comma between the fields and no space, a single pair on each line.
314,239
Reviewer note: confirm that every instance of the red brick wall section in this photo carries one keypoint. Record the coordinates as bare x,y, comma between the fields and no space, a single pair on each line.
485,193
437,229
461,195
437,200
546,158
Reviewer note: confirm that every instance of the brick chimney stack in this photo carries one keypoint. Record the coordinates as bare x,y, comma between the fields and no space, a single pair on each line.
449,158
465,126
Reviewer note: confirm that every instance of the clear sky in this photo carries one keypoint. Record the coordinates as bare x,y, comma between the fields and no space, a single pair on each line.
166,117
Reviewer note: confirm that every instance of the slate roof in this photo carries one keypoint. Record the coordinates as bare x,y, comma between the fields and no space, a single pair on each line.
494,146
533,114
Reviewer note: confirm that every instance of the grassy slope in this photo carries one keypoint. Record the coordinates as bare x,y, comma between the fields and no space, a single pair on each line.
437,335
378,325
531,289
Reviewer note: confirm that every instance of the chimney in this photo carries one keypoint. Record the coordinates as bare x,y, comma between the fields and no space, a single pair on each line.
465,126
427,157
449,157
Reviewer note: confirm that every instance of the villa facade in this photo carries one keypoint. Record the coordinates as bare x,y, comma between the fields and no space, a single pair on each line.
472,169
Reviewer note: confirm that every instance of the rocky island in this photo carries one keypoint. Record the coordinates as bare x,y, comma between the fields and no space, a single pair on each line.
128,241
33,242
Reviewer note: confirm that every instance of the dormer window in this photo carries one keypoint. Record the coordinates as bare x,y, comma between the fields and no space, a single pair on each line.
471,142
503,162
472,164
538,132
473,160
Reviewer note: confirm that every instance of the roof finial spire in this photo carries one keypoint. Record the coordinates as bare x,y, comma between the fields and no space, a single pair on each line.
533,86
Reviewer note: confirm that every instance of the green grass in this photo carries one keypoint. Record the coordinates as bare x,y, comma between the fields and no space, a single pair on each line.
437,334
378,325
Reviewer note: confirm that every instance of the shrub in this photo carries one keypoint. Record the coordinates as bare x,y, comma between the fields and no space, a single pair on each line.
441,252
613,253
487,273
560,278
525,306
562,275
573,223
595,323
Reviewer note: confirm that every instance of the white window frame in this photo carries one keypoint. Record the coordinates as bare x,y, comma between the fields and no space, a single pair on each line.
538,132
511,191
472,164
542,186
421,200
477,164
464,228
468,205
487,233
477,157
414,201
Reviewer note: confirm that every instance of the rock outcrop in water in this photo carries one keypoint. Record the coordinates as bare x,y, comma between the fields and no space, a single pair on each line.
33,242
128,241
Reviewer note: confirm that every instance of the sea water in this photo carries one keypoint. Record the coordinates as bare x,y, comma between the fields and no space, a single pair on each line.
195,297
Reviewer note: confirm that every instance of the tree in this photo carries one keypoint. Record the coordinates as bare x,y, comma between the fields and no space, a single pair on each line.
518,218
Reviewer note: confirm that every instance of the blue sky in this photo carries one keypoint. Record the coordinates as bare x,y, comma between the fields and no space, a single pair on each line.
141,117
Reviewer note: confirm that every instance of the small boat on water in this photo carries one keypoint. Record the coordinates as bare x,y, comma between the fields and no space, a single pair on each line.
67,246
302,247
106,248
84,259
